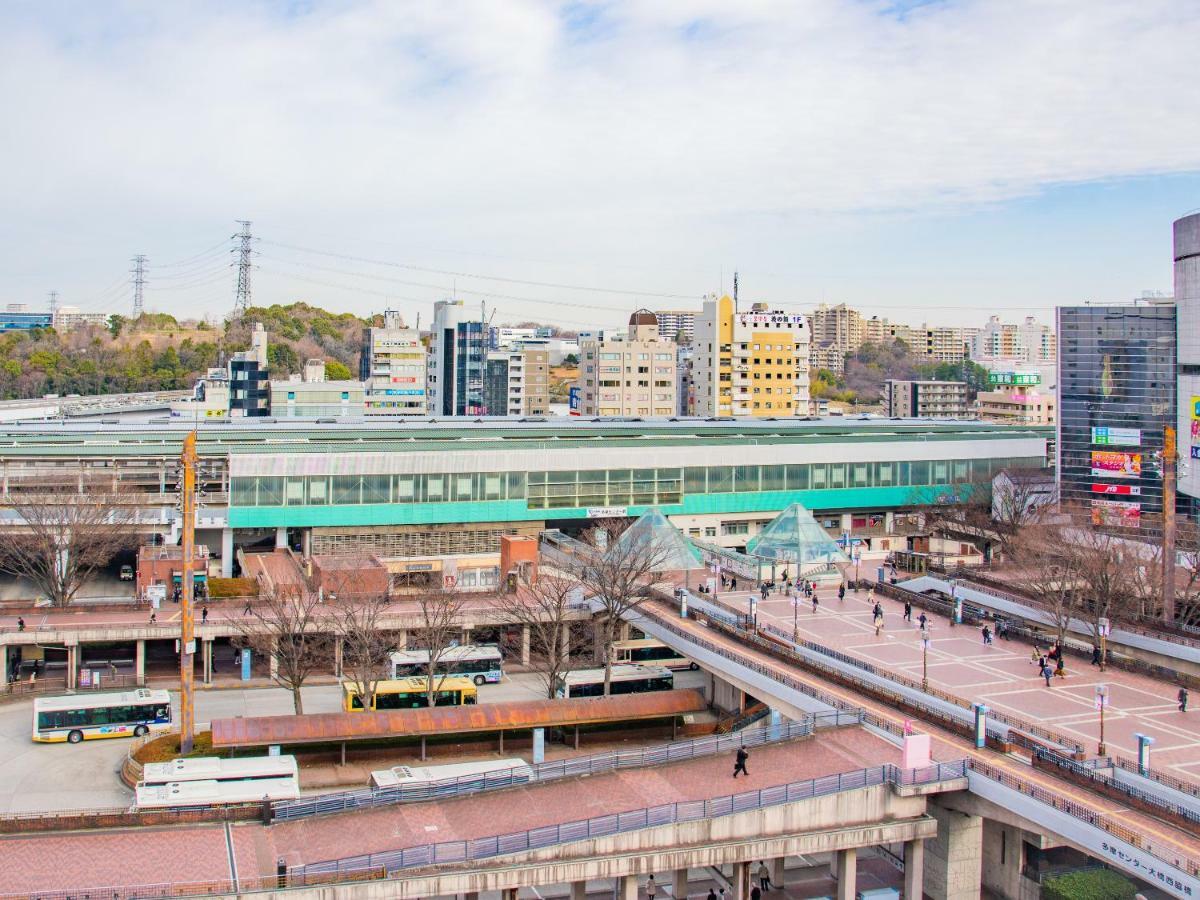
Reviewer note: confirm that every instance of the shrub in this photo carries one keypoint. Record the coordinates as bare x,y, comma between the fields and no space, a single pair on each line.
232,587
1090,884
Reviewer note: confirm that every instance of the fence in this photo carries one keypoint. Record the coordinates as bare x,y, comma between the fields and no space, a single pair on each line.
451,852
285,810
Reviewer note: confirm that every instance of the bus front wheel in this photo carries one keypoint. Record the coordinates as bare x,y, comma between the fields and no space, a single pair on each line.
693,667
480,681
140,730
75,737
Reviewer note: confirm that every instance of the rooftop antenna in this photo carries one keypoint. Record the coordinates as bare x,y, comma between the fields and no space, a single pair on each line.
735,289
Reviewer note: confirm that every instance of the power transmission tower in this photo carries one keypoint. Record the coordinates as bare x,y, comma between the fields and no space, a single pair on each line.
244,251
139,284
53,305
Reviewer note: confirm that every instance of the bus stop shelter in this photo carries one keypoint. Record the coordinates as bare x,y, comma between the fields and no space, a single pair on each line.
515,715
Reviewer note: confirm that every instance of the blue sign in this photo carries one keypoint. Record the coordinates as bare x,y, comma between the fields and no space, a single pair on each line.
246,664
403,392
573,401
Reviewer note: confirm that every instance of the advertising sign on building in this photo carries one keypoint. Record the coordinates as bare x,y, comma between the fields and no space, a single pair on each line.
1117,437
1003,378
573,401
607,512
1111,464
1113,513
1120,490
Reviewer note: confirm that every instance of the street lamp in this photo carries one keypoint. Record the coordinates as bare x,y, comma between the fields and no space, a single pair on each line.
1101,702
926,630
795,619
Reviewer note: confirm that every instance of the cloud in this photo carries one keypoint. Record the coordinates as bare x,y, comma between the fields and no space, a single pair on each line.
540,128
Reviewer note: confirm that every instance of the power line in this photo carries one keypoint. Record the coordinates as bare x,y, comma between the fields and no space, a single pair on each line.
53,305
244,251
189,259
139,284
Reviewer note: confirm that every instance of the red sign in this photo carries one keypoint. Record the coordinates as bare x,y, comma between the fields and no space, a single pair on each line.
1124,490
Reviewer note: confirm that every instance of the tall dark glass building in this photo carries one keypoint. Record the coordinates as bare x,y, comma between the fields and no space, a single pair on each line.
1116,382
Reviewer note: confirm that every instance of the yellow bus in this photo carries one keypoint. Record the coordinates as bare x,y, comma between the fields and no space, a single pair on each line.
411,693
649,652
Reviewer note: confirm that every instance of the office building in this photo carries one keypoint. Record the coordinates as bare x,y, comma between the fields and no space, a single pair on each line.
1022,404
249,380
456,361
394,368
751,363
677,324
516,382
629,375
311,396
1187,300
20,319
68,318
925,399
685,355
1116,393
501,337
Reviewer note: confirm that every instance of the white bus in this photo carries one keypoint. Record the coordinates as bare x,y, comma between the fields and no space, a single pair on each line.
89,716
451,778
482,663
648,651
625,680
215,768
212,793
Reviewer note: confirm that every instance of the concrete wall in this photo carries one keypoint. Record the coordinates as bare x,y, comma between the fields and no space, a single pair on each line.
954,858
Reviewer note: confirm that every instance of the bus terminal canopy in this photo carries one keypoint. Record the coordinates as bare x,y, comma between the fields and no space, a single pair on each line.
512,715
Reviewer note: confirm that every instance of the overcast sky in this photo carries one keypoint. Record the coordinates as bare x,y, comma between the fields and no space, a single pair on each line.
926,161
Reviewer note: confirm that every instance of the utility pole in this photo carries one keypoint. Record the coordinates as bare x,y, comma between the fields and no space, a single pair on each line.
187,634
245,251
1169,467
139,283
53,305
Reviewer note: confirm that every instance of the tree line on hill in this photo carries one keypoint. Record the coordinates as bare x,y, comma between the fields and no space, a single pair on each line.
871,365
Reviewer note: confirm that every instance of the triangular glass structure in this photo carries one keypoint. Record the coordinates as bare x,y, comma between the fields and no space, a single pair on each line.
653,529
795,537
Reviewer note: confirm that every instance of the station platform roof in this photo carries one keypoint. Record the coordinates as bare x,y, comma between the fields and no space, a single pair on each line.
514,715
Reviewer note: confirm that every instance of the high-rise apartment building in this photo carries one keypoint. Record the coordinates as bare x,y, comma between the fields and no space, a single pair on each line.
925,399
751,363
456,361
1187,299
1010,346
249,381
677,324
1116,386
393,365
516,382
630,375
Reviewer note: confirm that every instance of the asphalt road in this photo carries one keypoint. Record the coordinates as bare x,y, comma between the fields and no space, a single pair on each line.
41,777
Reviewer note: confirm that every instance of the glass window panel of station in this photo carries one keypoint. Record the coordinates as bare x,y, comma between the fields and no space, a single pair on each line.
797,478
318,490
376,488
347,489
293,491
270,491
837,475
244,491
745,479
773,478
720,479
405,489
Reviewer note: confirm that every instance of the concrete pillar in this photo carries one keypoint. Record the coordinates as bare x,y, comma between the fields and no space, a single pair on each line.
72,666
679,884
508,894
598,642
914,870
281,538
226,552
3,664
402,639
740,881
847,524
206,647
471,895
889,522
627,887
524,645
623,631
565,642
306,542
539,745
954,859
578,890
338,652
139,663
465,639
273,662
778,868
847,874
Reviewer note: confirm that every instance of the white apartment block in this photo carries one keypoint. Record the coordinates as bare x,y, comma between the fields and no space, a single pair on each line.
634,375
675,322
393,366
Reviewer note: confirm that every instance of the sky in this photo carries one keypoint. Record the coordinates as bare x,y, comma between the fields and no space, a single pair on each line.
936,161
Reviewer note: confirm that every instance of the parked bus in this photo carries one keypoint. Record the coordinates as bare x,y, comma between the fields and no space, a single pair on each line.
625,680
215,768
88,716
410,693
214,793
650,652
482,663
436,780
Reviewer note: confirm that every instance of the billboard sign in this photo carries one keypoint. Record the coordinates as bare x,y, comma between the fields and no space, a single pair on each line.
1114,513
1117,437
573,401
1113,464
1120,490
1003,378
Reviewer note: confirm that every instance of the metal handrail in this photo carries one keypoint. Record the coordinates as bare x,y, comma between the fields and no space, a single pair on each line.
1089,772
649,817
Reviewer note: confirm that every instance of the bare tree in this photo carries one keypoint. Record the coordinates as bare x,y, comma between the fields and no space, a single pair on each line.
618,576
61,534
1050,570
544,606
440,629
1120,576
366,647
291,627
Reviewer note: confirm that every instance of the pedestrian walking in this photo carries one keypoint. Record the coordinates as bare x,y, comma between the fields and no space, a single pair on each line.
922,620
1035,655
1060,668
816,602
153,618
987,635
907,610
1095,655
246,611
871,595
764,876
1046,673
712,895
651,887
1182,697
733,582
20,623
878,624
765,590
842,591
755,893
203,614
739,763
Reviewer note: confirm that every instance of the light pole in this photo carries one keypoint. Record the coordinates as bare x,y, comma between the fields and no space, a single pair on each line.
795,619
1103,627
925,632
1101,702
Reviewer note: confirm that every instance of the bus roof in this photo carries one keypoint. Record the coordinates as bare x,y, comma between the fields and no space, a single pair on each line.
468,651
216,768
640,642
400,775
619,673
186,793
91,701
414,683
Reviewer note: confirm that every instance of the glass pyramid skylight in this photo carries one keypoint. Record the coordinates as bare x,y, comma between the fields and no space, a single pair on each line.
653,529
795,537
